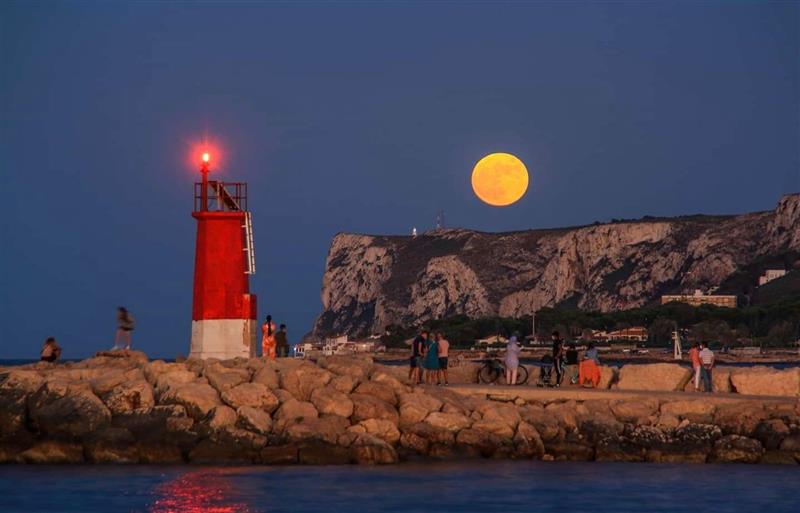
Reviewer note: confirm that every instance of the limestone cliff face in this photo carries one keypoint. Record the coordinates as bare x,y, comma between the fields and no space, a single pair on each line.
371,282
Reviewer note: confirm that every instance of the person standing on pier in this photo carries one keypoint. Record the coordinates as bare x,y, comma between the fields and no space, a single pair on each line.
512,360
558,355
415,362
268,338
281,342
694,354
444,351
432,360
707,361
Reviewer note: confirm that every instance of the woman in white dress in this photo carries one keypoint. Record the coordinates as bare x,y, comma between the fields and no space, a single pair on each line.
512,360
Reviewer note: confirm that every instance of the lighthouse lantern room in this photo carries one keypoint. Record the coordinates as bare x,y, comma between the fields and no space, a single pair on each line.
223,310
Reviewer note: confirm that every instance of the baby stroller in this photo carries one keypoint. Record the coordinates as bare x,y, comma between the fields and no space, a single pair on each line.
545,371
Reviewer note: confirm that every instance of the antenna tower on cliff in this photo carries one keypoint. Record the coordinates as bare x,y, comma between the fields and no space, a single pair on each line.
440,220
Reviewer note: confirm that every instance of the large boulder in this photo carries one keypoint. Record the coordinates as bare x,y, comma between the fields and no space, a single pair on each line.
67,409
382,391
484,443
370,407
254,419
302,380
107,382
381,375
740,418
382,428
267,375
654,376
766,381
14,391
453,422
332,402
52,451
737,449
256,395
698,411
528,442
326,429
132,397
544,423
357,368
503,413
634,412
198,398
292,412
222,417
371,450
414,407
224,378
111,445
344,384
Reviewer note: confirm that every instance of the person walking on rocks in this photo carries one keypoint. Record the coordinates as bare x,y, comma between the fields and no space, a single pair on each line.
125,325
51,351
268,338
415,362
512,360
444,351
707,362
694,354
558,355
432,360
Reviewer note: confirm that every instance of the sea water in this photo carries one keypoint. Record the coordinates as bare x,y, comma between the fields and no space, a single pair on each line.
472,486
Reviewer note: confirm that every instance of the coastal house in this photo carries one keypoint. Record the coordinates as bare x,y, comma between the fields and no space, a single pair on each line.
632,334
769,275
699,298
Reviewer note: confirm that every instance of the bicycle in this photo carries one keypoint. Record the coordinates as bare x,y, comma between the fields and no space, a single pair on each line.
493,369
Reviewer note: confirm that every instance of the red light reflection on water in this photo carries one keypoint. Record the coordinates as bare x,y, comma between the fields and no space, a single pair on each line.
207,491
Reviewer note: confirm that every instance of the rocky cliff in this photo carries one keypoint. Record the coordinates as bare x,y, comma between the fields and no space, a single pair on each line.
371,282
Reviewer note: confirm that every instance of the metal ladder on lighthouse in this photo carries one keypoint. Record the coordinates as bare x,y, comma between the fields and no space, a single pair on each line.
251,254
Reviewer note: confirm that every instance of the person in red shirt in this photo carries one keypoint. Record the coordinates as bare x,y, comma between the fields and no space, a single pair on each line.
694,354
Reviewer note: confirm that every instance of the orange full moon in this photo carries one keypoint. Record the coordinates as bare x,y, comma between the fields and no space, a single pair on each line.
499,179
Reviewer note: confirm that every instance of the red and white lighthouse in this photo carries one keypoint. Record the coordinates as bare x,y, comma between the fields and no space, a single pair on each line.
224,315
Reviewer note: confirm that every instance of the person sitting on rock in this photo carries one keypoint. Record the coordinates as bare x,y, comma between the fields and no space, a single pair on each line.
589,372
51,351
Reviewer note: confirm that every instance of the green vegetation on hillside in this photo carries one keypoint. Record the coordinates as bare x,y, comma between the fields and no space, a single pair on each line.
776,324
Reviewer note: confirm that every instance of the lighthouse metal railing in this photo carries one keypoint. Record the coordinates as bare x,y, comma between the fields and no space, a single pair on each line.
251,254
224,196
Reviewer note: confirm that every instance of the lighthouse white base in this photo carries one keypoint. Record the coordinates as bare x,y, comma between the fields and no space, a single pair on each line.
223,338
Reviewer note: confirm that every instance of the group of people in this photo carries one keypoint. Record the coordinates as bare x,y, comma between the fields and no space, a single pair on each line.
429,358
274,343
51,351
702,365
564,360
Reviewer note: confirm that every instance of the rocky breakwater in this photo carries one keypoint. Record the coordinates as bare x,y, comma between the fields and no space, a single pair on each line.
126,409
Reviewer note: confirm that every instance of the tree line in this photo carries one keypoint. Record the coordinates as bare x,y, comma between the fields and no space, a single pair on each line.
773,325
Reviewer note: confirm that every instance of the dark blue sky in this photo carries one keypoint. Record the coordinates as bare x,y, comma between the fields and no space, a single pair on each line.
358,118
